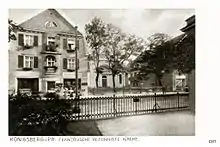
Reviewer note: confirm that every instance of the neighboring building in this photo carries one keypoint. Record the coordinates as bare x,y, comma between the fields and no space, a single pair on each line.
105,79
43,56
189,29
173,81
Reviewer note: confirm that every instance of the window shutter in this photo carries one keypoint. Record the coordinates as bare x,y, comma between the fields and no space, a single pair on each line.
35,62
64,63
20,61
64,43
21,39
77,63
35,40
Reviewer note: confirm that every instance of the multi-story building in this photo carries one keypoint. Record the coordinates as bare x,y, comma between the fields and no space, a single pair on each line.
43,55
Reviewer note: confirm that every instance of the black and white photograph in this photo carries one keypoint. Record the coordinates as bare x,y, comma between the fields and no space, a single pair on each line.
101,72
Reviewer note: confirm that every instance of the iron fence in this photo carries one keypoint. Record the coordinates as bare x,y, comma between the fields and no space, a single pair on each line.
114,106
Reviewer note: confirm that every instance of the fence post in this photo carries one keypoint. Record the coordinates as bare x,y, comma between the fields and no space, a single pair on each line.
155,101
114,110
178,100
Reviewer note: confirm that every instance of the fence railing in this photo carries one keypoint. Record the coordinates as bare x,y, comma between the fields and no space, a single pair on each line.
114,106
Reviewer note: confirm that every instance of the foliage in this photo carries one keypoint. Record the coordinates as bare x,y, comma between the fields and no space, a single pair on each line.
156,59
33,116
96,38
184,54
119,48
12,29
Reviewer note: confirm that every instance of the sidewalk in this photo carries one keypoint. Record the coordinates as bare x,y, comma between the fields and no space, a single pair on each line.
163,124
82,128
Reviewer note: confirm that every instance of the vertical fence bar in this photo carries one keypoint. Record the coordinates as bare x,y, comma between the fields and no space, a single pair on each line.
178,100
85,108
114,104
97,108
155,102
91,103
100,108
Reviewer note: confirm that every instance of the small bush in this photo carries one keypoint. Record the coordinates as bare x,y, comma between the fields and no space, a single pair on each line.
52,95
30,116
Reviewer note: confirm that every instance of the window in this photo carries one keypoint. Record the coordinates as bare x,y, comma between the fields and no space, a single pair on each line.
71,64
28,61
51,41
51,61
50,24
120,79
70,83
28,40
71,44
50,85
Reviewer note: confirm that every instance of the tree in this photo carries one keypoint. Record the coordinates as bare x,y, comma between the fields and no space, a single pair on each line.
156,59
119,48
184,54
96,38
12,28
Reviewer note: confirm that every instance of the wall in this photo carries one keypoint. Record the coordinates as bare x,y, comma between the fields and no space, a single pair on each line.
92,76
58,76
192,96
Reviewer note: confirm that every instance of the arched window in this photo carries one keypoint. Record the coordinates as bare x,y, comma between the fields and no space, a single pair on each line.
104,81
50,61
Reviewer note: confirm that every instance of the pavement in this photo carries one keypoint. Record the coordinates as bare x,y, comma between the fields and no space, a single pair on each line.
82,128
180,123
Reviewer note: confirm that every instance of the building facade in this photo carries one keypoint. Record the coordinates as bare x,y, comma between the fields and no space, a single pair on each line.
105,78
43,55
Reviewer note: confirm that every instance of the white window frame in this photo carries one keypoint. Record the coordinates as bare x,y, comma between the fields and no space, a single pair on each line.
71,63
30,60
72,42
51,39
52,61
28,39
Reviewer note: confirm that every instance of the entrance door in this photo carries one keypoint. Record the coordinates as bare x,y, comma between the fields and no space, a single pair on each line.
104,81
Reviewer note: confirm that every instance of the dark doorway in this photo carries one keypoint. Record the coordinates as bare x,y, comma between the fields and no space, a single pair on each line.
104,81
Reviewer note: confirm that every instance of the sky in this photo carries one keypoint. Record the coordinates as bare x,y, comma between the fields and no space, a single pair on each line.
140,22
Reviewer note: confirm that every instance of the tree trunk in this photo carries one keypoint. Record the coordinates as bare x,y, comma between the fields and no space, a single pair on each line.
113,82
97,80
159,80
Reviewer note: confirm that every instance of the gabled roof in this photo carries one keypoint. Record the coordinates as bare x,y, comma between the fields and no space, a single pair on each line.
37,23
